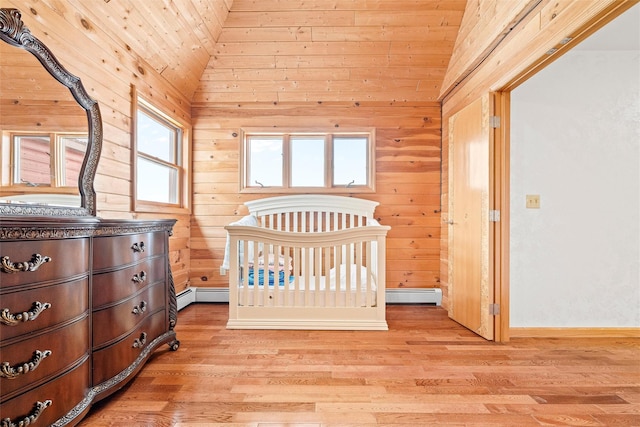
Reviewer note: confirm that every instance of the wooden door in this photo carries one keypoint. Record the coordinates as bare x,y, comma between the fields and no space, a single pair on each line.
471,287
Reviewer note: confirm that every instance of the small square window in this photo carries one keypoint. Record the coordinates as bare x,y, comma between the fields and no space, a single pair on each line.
265,165
307,161
350,158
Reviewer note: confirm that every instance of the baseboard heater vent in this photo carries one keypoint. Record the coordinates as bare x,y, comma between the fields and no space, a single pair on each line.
414,296
186,297
394,296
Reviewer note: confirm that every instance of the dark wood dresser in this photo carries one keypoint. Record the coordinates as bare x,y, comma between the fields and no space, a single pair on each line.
84,302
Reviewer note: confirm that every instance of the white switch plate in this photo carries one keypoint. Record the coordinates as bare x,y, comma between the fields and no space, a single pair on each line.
533,201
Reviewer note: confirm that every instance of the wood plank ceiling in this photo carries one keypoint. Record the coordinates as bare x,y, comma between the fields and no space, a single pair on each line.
221,51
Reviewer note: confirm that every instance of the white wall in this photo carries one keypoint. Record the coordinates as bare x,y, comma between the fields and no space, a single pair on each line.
575,141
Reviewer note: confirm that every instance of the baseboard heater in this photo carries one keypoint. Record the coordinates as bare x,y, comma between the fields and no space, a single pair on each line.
431,296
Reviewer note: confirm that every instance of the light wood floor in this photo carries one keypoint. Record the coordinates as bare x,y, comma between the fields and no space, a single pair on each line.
425,371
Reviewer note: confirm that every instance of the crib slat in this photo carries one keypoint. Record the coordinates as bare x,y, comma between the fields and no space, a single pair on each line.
287,274
315,290
369,273
245,272
327,281
297,277
349,263
358,264
308,283
338,263
276,276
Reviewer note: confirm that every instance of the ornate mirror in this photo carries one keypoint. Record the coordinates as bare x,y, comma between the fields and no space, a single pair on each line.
51,129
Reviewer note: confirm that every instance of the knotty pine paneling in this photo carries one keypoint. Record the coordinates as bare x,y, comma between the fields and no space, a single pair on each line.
524,47
108,67
408,179
483,24
175,39
319,51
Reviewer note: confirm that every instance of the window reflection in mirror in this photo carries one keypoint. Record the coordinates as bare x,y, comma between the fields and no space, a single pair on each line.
50,160
44,133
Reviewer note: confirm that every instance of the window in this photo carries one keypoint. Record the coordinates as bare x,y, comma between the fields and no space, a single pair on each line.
47,160
300,161
158,159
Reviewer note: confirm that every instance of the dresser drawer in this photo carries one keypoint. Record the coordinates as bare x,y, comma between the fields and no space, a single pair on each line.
59,396
68,257
45,355
112,360
45,305
110,323
126,249
115,286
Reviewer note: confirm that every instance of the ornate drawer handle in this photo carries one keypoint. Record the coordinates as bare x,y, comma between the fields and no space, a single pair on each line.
139,342
38,409
13,267
139,278
13,372
140,308
7,318
138,247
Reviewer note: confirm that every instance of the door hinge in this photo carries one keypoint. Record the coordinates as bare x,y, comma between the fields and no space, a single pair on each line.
494,215
494,309
494,121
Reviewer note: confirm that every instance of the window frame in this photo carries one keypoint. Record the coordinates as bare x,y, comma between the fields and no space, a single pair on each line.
181,153
329,186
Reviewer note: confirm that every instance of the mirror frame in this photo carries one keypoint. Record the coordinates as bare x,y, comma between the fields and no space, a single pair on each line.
14,32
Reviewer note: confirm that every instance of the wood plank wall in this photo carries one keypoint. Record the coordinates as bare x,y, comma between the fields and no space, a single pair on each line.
108,68
520,51
408,179
300,64
90,43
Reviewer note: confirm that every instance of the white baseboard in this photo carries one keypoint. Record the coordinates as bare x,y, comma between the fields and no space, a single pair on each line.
393,296
574,332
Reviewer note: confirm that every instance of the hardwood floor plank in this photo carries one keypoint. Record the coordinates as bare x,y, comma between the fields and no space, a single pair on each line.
555,399
425,371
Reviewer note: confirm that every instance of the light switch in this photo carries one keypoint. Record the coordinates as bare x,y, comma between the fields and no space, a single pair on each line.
533,201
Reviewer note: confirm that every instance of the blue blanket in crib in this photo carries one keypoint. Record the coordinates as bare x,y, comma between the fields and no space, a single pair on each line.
271,277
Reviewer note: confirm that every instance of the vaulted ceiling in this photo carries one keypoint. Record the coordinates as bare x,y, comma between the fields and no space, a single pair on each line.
289,50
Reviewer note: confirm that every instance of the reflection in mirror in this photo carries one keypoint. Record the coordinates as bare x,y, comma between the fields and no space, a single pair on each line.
51,130
44,128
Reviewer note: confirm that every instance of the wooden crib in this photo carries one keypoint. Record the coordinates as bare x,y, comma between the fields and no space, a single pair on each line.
307,262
